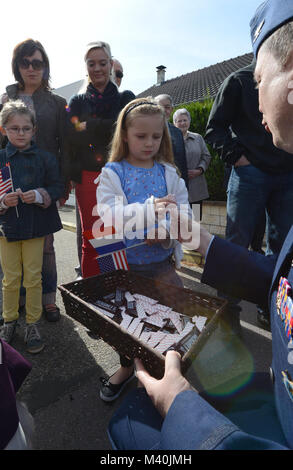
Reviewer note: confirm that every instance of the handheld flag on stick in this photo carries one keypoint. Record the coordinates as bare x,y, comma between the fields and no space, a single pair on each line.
6,183
106,240
111,249
5,180
113,262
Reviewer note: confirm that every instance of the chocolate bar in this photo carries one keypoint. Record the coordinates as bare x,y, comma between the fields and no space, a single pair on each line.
129,296
156,320
163,308
126,320
186,344
108,307
143,298
138,330
145,336
199,322
131,308
166,343
176,321
107,314
155,339
140,310
119,297
109,297
134,324
188,328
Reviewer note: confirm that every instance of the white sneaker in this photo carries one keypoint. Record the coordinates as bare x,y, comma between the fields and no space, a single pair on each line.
33,340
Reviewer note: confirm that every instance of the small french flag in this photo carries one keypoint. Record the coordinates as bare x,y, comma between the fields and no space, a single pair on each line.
110,248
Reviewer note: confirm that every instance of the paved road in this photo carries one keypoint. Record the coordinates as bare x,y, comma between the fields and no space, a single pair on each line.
62,389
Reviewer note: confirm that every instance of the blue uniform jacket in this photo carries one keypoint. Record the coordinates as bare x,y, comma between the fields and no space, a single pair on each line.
191,422
31,169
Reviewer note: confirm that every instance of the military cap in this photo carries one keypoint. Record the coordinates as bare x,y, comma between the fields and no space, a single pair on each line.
269,16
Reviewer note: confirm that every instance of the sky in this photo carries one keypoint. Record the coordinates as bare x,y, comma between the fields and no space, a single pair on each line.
183,35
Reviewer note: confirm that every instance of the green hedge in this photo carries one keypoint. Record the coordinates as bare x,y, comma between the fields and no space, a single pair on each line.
199,113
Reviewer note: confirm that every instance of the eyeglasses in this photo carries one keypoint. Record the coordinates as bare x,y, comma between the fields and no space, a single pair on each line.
18,130
35,63
119,74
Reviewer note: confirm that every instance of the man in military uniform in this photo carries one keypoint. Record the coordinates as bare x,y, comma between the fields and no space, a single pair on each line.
170,414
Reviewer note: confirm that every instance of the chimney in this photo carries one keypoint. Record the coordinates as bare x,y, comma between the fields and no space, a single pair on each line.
161,72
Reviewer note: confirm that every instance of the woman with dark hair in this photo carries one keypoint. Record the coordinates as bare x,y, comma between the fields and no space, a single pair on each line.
92,116
31,69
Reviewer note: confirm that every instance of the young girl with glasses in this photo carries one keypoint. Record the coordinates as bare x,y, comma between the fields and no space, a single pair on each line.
28,213
141,177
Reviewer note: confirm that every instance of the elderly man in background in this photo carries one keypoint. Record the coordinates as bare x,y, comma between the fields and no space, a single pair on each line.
117,72
180,418
166,102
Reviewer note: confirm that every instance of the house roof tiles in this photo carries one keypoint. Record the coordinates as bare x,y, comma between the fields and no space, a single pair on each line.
200,84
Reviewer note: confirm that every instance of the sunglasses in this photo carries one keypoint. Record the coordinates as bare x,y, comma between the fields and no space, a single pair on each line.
119,74
35,63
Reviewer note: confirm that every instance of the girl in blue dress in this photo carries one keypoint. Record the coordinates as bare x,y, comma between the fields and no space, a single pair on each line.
138,182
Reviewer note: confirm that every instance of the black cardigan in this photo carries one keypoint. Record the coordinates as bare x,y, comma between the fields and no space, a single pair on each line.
235,126
88,150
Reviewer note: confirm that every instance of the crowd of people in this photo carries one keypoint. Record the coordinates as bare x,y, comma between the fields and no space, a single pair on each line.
120,154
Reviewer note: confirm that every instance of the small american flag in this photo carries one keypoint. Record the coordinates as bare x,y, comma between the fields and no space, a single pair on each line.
113,262
5,181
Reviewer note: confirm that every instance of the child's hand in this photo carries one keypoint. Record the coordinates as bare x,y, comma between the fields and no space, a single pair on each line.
11,200
81,126
29,197
162,203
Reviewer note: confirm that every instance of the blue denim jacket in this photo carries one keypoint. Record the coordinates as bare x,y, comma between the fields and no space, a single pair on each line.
31,169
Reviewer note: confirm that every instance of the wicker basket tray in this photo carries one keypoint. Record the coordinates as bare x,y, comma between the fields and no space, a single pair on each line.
79,295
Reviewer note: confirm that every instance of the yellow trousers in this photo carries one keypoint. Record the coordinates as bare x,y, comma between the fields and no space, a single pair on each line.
17,258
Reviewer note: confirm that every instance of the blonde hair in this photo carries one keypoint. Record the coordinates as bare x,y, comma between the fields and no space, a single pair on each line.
107,49
140,107
13,108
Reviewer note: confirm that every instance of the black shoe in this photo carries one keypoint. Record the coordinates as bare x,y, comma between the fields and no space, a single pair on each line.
109,392
52,314
263,318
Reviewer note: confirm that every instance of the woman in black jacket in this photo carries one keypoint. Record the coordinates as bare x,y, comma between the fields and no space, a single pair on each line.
92,116
31,69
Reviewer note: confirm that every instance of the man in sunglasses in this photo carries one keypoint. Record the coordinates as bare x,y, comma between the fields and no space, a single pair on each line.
117,72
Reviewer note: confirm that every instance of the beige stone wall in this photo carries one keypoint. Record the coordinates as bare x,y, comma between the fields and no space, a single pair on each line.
214,217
